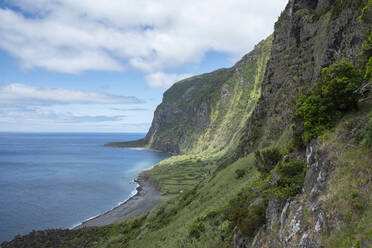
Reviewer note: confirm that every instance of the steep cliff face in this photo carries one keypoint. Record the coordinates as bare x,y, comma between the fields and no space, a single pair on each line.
220,202
208,112
300,222
308,36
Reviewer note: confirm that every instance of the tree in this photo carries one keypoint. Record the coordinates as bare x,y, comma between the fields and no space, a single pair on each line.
335,94
267,159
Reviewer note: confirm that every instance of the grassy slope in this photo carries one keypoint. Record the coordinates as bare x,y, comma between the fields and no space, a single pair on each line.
169,224
173,223
206,190
205,150
350,185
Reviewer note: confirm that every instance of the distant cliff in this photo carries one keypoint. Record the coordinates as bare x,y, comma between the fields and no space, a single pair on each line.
209,111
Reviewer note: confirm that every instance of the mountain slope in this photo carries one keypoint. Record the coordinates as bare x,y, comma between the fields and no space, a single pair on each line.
207,112
267,188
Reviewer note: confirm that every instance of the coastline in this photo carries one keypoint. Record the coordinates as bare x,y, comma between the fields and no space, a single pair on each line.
146,198
141,149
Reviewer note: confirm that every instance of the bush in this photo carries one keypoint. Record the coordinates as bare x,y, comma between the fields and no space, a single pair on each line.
368,74
291,179
253,218
239,173
248,219
196,229
334,95
367,133
366,12
267,159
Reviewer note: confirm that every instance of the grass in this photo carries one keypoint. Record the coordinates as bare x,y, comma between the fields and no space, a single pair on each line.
350,184
181,173
178,221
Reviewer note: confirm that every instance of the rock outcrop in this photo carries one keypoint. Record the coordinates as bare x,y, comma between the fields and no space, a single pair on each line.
308,36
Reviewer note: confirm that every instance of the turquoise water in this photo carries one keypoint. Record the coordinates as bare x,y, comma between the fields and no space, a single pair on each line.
59,180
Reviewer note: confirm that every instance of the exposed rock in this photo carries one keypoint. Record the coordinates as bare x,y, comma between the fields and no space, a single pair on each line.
209,110
308,36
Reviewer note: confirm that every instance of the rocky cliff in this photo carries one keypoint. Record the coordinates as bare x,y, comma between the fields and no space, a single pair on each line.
309,35
209,111
314,194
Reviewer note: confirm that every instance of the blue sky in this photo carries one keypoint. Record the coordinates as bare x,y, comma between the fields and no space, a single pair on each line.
102,66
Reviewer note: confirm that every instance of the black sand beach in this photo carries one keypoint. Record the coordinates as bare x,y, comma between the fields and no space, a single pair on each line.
147,197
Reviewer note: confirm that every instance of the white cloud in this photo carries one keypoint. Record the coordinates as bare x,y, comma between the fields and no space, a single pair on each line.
163,80
74,36
35,114
131,109
25,94
30,118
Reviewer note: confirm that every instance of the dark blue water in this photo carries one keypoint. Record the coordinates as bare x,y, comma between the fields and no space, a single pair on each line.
59,180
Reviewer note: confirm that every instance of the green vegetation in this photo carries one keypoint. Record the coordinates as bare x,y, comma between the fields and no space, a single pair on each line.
291,179
335,94
349,195
366,11
206,114
209,194
197,229
367,133
183,172
367,52
267,159
239,173
248,219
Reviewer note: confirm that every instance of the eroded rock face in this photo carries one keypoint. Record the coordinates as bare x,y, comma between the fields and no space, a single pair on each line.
207,111
309,35
299,222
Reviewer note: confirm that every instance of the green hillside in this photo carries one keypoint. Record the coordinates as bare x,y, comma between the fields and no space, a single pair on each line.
273,152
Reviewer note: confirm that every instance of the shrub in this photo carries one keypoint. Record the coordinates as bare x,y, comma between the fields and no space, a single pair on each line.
291,179
239,173
367,45
188,196
248,219
368,74
338,84
367,133
196,229
335,94
366,13
267,159
253,218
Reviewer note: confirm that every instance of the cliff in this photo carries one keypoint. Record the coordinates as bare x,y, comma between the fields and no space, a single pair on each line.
268,186
308,36
209,111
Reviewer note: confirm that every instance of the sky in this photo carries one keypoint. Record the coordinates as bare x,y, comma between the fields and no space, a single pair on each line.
102,66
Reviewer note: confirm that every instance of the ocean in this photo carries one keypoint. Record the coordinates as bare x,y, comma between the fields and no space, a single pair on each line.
54,180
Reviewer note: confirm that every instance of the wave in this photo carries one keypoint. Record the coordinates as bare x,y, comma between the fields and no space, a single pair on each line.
132,194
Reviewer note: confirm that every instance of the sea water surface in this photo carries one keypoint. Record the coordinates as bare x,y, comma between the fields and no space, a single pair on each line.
50,180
